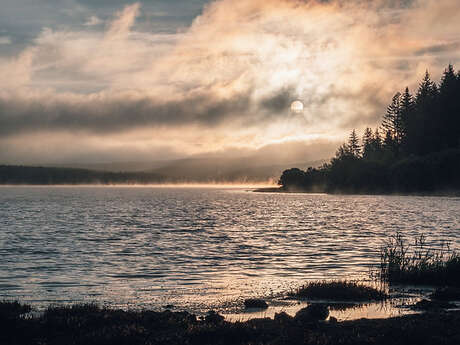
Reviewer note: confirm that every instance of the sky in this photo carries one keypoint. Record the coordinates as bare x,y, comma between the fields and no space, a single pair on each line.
96,81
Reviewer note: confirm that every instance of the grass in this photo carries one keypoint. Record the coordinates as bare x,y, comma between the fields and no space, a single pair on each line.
418,263
446,294
89,324
339,291
13,309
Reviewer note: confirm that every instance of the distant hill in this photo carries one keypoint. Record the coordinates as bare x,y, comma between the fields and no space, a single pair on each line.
242,170
133,166
10,174
193,170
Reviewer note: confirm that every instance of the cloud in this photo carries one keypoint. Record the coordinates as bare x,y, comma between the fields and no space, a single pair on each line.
114,113
230,77
123,22
5,40
451,47
93,21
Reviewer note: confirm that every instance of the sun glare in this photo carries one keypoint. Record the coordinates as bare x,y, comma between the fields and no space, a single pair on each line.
297,107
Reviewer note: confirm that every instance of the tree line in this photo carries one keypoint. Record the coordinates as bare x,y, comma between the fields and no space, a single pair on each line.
48,176
415,149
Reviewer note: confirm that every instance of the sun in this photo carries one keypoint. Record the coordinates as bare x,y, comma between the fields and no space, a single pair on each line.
297,107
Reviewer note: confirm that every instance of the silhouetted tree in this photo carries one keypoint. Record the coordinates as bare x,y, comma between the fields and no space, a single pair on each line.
420,149
423,127
390,147
407,113
449,93
372,145
353,144
392,122
377,142
292,179
368,138
342,152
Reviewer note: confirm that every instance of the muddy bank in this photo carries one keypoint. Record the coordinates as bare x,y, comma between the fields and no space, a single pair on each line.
90,324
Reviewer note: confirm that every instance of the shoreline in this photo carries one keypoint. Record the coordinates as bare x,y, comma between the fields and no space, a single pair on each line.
90,324
282,191
249,187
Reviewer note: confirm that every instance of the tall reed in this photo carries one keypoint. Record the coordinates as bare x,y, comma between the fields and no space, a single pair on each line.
419,263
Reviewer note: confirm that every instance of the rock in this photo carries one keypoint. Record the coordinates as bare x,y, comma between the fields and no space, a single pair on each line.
213,317
314,312
185,316
446,294
282,318
255,303
169,306
427,305
261,323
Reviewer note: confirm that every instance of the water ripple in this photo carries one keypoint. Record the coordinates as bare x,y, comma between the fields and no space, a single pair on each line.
196,247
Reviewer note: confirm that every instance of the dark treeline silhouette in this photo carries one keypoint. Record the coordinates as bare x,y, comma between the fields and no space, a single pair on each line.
47,176
416,148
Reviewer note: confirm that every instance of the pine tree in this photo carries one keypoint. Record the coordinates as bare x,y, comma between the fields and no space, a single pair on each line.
449,78
427,89
377,145
407,115
449,109
353,144
377,139
368,138
392,119
389,146
388,141
426,129
342,151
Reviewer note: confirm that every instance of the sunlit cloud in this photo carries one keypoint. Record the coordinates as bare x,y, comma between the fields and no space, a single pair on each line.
93,20
227,81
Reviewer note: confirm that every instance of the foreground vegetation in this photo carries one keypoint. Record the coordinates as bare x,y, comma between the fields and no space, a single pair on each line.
416,148
401,262
339,291
93,325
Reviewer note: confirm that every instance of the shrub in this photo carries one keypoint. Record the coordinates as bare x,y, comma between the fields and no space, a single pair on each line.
339,291
13,309
418,264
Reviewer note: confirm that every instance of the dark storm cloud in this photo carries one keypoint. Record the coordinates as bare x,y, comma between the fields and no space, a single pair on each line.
279,101
116,115
439,48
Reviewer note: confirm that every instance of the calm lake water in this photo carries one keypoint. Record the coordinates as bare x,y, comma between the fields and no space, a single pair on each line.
196,248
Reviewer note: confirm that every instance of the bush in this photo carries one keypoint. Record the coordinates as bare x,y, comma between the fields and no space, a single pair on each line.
419,264
339,291
12,309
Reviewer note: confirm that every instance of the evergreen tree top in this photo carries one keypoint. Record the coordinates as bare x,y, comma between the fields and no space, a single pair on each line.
427,87
353,144
449,79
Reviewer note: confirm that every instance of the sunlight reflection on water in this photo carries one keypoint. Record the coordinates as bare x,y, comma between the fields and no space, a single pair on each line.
196,248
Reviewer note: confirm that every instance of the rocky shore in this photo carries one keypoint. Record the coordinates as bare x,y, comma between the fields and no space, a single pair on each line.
91,325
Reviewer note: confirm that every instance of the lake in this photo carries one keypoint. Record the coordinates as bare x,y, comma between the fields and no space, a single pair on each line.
196,248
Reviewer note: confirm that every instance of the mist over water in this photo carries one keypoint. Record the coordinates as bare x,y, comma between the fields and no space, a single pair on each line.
196,248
